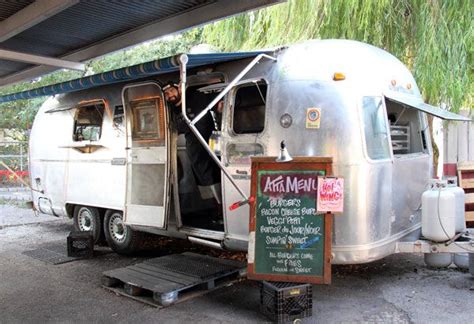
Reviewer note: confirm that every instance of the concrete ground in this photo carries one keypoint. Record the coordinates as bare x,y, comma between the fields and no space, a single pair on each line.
398,289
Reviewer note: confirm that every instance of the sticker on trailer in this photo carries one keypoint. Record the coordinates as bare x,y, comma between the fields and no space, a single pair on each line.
330,196
313,117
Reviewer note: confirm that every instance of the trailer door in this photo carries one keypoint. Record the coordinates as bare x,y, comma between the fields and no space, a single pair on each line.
147,155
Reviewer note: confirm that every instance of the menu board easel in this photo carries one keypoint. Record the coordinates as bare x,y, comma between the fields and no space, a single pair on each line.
289,240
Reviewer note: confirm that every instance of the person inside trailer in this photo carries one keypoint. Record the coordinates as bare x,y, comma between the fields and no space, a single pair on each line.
205,169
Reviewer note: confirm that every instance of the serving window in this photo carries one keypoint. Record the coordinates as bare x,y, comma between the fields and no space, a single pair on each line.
406,131
249,108
88,122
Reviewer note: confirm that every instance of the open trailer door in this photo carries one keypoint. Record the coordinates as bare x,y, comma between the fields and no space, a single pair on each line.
409,101
147,155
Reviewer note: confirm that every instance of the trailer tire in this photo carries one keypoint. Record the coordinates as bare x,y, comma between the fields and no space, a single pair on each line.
120,237
87,218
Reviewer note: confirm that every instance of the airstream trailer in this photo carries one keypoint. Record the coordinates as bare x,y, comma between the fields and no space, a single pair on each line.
102,151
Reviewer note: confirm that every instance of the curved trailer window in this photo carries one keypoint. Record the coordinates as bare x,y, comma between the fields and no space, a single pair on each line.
88,122
249,108
375,128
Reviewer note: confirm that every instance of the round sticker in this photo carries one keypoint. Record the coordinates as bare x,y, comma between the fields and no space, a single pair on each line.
313,115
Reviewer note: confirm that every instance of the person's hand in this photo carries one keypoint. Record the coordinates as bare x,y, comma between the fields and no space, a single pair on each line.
220,107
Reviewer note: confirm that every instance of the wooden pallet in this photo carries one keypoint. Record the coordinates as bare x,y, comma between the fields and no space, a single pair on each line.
466,181
173,278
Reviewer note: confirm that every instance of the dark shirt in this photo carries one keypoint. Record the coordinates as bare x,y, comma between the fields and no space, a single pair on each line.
205,169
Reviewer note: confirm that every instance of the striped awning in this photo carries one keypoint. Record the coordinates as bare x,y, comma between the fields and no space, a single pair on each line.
165,65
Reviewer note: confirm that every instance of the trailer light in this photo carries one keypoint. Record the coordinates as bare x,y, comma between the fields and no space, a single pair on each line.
338,76
286,120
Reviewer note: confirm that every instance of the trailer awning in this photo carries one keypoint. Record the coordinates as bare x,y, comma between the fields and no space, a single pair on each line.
165,65
417,103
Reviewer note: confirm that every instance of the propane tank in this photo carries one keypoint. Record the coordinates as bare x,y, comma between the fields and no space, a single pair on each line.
438,260
460,203
461,260
438,218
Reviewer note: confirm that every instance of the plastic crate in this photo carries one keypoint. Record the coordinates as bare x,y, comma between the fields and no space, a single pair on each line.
286,301
80,245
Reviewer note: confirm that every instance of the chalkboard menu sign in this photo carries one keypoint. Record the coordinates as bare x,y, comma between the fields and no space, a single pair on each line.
289,240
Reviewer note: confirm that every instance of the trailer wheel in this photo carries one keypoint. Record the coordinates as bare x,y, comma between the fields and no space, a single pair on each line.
120,237
88,219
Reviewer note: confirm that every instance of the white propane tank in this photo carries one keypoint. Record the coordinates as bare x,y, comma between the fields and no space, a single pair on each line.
438,218
461,260
438,260
460,204
471,264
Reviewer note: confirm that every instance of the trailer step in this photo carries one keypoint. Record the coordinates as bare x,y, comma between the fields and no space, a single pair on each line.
173,278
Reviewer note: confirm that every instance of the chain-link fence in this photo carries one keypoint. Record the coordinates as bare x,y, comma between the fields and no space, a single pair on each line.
15,156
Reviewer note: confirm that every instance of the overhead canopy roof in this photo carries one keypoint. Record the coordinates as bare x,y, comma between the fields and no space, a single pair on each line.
166,65
38,37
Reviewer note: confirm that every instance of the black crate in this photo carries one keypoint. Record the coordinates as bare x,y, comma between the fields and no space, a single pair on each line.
80,245
286,301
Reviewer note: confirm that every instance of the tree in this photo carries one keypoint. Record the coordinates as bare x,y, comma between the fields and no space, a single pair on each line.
434,38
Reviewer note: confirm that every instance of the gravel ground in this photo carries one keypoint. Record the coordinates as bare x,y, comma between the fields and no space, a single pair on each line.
397,289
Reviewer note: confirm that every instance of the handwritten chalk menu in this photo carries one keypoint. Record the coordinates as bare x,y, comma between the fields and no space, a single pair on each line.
289,240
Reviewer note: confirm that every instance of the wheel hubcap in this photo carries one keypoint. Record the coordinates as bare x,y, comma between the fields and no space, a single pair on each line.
117,229
85,220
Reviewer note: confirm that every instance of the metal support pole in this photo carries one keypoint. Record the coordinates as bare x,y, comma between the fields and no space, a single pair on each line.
183,59
231,85
21,158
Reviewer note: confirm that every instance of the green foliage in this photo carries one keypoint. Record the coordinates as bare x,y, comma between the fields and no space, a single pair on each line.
433,38
20,113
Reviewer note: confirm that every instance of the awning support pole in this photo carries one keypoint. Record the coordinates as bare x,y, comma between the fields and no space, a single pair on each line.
230,86
183,60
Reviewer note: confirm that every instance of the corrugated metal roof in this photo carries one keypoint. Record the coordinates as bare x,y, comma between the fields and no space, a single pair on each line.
8,7
66,32
79,30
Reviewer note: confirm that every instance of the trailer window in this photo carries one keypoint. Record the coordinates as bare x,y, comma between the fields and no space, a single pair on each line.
146,119
406,129
375,128
240,153
249,108
88,122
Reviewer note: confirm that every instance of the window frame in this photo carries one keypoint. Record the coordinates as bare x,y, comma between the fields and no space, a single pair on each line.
160,120
87,103
360,105
232,98
423,125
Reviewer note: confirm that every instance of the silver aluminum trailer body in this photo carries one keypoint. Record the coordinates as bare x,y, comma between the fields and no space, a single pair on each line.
384,182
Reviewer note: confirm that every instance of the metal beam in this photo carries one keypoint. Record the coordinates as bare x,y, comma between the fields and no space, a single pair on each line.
41,60
202,15
31,15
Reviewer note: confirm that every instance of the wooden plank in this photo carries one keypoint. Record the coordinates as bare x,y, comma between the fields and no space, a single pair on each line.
469,216
164,274
185,296
143,280
469,198
301,159
466,165
467,183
